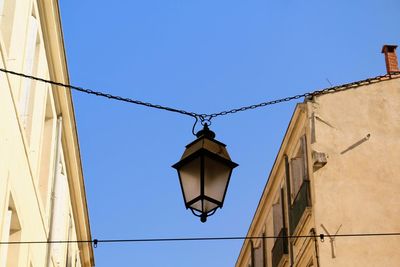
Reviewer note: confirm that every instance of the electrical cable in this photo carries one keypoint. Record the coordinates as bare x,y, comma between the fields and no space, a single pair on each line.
180,239
206,118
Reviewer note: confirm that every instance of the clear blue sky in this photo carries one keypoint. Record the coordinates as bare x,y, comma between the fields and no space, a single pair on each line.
203,56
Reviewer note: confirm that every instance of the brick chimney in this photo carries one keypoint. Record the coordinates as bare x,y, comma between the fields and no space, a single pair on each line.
392,64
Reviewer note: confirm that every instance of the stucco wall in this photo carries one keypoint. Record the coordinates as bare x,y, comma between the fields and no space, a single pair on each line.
359,187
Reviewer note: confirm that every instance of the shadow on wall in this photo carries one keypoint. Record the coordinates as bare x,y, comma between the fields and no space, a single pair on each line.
356,144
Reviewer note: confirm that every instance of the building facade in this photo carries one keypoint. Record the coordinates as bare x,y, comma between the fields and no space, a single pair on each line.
336,172
42,194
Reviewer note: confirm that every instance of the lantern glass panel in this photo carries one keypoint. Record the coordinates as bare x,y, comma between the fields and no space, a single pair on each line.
196,205
207,206
189,175
216,177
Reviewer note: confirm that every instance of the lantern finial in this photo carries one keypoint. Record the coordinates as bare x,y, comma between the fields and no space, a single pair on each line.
203,217
206,132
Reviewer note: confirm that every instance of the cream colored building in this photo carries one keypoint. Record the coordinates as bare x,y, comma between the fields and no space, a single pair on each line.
42,194
337,172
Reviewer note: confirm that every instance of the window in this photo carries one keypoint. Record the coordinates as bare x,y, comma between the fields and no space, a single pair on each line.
298,166
9,255
7,10
31,63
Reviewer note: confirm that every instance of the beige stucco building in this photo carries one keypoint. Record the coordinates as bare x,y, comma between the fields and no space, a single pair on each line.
337,172
42,194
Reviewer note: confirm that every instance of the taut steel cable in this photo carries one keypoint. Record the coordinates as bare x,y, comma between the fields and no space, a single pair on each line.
185,239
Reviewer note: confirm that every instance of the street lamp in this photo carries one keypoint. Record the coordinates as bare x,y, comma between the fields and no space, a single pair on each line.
204,172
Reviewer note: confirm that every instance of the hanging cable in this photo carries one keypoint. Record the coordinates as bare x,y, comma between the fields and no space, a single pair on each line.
102,94
183,239
206,118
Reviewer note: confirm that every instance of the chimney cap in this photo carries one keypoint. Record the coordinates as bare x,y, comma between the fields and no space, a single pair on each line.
388,48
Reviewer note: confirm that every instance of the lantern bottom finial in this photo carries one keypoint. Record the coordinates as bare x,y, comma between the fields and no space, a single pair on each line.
203,217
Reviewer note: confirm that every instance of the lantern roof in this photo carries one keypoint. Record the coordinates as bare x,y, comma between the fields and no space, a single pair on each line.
205,143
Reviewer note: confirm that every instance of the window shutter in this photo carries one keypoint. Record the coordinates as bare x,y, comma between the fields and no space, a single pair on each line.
7,12
277,218
69,257
303,143
297,166
28,69
251,264
77,257
60,222
1,10
259,255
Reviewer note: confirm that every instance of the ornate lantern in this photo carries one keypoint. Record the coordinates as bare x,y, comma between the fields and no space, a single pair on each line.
204,173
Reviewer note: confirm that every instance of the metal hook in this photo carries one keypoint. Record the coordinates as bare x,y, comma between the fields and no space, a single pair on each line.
205,120
95,241
322,236
194,126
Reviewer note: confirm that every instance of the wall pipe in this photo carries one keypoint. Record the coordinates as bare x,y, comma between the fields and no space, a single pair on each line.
53,187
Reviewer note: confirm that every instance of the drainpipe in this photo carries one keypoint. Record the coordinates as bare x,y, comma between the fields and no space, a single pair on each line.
313,233
53,187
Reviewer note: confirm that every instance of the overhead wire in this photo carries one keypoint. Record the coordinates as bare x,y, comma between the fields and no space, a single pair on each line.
186,239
